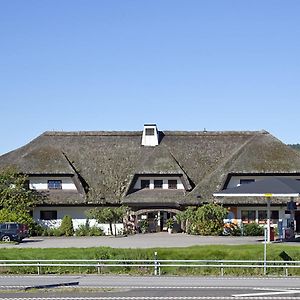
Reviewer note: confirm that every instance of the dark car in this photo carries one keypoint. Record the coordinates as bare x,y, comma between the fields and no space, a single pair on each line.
13,232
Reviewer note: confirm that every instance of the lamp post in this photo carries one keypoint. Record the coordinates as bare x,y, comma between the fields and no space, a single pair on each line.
268,196
265,250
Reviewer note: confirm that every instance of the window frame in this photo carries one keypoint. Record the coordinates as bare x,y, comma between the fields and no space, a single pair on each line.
248,218
158,183
145,184
172,184
149,132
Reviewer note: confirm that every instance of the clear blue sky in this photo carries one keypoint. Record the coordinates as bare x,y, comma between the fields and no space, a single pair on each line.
117,64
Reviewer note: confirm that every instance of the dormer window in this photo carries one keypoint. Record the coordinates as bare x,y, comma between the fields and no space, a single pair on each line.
159,182
150,135
54,184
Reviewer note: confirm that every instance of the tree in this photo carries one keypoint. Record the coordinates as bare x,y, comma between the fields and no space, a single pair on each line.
187,218
14,192
16,199
210,219
205,220
110,215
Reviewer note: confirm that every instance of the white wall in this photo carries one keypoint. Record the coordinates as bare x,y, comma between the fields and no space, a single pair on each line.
76,213
41,183
180,186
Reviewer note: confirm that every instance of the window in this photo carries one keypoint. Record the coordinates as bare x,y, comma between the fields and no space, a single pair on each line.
145,184
248,216
245,181
262,216
158,184
48,215
172,184
54,184
274,214
149,131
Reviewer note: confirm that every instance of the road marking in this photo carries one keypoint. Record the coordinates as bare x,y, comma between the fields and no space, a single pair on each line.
149,298
269,293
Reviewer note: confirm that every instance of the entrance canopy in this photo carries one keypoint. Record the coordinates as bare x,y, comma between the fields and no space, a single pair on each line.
273,187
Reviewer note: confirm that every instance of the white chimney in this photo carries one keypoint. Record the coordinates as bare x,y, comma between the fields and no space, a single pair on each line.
150,135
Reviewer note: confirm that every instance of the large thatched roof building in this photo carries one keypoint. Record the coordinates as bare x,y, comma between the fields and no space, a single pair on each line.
109,168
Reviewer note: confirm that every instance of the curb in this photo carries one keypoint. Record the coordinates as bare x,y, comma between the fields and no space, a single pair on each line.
53,285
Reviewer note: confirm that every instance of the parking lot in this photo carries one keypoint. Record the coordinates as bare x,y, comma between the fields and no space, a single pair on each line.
151,240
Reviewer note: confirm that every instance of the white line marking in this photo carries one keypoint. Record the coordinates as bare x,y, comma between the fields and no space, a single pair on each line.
280,292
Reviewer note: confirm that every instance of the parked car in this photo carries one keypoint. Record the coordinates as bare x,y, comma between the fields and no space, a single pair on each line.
13,232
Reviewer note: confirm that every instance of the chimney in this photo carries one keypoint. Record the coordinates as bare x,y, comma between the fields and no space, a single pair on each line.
150,135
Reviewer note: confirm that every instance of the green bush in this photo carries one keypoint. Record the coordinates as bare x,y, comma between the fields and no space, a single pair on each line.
209,219
37,230
87,230
54,232
82,230
95,231
253,229
66,226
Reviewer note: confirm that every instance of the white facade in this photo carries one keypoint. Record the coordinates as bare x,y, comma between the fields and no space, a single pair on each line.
41,183
78,215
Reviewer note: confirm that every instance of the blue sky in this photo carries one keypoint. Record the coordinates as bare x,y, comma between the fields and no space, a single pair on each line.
117,64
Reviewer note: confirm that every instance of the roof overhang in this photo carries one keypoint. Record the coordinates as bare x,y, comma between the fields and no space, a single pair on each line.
255,195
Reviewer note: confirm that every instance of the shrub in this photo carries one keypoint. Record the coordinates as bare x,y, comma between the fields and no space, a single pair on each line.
253,229
37,230
95,231
209,219
82,230
66,226
86,230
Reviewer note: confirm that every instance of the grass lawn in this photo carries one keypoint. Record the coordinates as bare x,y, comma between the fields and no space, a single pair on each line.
213,252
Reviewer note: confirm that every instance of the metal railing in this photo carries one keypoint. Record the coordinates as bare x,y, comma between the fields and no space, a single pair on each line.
155,264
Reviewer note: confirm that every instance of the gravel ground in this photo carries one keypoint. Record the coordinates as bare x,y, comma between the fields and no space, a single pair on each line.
151,240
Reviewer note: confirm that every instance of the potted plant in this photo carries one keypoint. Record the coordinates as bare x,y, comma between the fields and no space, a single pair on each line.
170,224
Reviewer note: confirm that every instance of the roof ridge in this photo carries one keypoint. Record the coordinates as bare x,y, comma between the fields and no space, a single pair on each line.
168,132
91,133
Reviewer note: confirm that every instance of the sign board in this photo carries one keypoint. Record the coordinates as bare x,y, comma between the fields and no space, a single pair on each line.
268,195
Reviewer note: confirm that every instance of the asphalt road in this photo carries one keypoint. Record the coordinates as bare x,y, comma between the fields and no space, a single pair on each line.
92,287
161,239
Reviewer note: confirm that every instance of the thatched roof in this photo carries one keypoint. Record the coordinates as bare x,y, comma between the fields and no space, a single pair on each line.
106,163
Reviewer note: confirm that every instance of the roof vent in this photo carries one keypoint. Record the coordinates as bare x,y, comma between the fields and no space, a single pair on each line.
150,135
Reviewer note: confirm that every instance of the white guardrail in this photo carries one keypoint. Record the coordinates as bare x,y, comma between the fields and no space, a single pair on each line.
156,264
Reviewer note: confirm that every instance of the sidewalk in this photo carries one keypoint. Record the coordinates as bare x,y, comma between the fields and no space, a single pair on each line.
149,240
